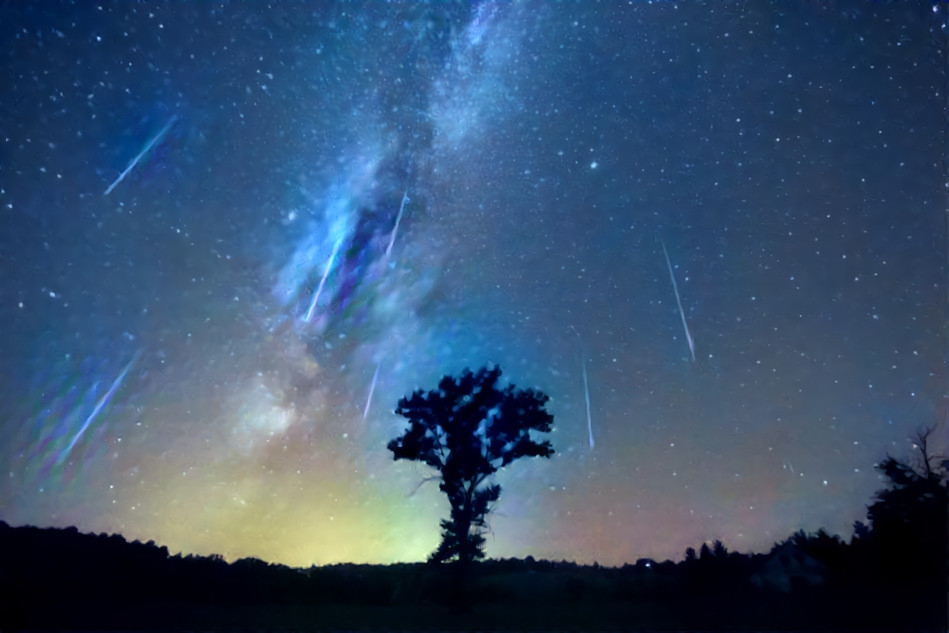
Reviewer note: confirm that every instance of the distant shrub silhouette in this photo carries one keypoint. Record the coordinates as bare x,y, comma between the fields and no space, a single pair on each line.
467,429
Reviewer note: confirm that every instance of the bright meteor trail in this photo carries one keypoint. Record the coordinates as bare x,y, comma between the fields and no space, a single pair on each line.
586,395
675,288
98,408
319,289
135,160
586,388
372,389
398,219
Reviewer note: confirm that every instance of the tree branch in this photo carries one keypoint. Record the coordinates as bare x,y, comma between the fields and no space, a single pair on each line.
421,483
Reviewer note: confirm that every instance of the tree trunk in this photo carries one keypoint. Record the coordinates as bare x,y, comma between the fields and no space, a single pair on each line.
462,570
464,528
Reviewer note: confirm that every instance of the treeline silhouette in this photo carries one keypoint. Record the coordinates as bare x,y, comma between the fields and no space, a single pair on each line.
62,578
890,576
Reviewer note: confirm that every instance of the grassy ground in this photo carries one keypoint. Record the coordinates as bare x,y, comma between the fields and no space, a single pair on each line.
489,617
342,617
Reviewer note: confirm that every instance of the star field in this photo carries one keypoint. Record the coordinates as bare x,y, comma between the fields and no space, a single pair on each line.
326,206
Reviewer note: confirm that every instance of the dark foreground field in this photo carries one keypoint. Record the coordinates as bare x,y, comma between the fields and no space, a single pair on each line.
58,580
430,618
558,616
423,618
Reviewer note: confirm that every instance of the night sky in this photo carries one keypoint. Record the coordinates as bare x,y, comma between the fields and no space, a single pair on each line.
188,352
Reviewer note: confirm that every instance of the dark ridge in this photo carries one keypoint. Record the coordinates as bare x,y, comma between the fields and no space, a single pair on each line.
63,579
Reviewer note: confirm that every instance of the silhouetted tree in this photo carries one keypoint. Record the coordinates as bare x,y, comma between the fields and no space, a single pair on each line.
467,429
860,531
908,518
705,553
902,556
827,549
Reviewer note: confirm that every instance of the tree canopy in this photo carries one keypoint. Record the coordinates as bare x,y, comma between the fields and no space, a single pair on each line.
908,517
467,429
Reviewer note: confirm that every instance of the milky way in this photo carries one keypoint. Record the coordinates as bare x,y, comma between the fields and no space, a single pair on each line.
714,235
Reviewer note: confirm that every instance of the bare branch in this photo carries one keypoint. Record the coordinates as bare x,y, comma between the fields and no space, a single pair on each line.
420,484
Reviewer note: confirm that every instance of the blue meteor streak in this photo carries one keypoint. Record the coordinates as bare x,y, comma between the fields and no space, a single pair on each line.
675,288
319,289
104,400
135,160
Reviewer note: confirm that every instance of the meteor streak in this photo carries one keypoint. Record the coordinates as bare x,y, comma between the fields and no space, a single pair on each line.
586,394
675,288
398,219
135,160
319,289
586,388
372,389
104,400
